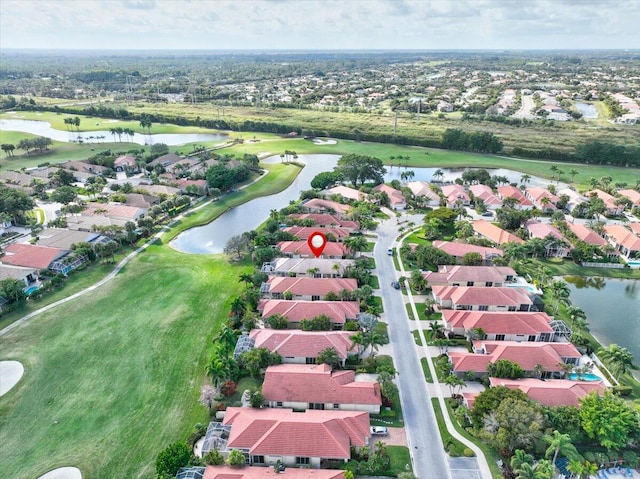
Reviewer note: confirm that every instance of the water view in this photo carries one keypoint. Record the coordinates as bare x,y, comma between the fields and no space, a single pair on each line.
42,128
587,109
612,307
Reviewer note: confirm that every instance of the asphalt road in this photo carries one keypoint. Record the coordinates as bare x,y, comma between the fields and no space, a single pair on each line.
427,451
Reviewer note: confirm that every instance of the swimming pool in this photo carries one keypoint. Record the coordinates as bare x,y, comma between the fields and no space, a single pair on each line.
31,289
584,377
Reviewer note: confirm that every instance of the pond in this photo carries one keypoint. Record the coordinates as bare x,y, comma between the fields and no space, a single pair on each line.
42,128
587,109
211,238
612,307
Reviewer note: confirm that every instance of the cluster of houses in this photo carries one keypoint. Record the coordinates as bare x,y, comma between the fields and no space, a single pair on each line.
314,415
503,319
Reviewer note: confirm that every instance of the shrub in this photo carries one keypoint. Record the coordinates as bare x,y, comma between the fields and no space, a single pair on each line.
630,458
622,390
589,456
468,452
229,388
213,458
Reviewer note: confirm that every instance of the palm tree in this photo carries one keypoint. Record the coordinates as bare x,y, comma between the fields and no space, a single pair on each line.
437,329
528,471
355,244
519,458
454,382
618,359
578,318
227,339
525,179
559,443
438,174
573,172
238,308
582,469
560,291
554,170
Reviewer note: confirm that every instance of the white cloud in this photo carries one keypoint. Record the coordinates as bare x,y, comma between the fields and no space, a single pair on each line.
317,24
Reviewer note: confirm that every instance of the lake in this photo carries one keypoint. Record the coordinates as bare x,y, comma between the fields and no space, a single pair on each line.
587,109
211,238
612,307
43,128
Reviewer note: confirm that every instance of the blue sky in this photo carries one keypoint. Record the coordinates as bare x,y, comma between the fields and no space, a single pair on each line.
312,24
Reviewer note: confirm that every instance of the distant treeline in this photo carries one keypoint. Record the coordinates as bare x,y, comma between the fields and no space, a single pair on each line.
592,152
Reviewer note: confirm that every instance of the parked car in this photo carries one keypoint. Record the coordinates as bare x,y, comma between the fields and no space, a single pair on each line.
378,431
390,251
487,213
395,284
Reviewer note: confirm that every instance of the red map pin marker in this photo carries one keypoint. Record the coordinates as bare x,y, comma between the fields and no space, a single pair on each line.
317,241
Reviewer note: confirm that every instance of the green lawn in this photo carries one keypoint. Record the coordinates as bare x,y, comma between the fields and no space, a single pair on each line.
400,459
559,267
113,377
426,370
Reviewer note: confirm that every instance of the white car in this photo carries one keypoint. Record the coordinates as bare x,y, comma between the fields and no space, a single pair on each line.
378,431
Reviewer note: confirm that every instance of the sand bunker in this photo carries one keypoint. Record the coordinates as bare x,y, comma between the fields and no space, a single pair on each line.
10,374
63,473
317,141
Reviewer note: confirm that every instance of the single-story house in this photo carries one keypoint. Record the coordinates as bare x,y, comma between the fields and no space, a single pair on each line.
157,190
126,163
114,210
510,191
537,195
295,311
458,250
453,275
39,258
551,356
500,325
345,192
423,189
612,209
28,276
316,386
92,222
295,438
301,249
325,220
138,200
586,234
575,198
396,198
306,289
311,267
487,230
65,238
455,194
486,195
166,160
545,230
303,347
320,205
334,233
631,195
82,167
552,392
482,299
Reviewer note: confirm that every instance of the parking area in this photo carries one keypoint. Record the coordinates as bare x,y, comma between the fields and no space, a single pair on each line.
464,468
397,437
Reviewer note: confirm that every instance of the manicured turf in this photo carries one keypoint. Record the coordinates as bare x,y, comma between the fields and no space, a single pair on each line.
400,459
113,377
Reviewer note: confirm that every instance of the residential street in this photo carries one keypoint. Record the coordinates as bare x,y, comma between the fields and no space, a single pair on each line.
422,431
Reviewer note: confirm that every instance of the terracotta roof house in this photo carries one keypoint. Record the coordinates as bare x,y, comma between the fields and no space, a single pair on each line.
527,354
32,256
301,249
455,194
114,210
310,267
303,232
458,250
485,193
586,234
635,227
509,191
303,347
452,275
423,189
248,472
623,240
319,205
315,386
201,186
609,202
631,195
500,326
126,163
325,220
543,231
305,289
537,194
295,311
345,192
296,438
396,198
493,233
482,299
552,392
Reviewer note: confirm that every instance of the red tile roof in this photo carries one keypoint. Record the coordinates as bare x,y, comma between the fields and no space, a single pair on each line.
311,383
501,296
294,343
485,194
536,193
552,392
303,232
248,472
631,195
493,233
302,248
454,193
296,311
586,234
31,256
460,249
508,191
325,219
526,354
499,322
542,230
459,273
310,286
395,197
282,432
622,236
